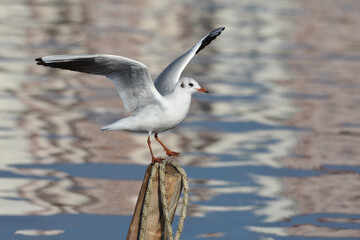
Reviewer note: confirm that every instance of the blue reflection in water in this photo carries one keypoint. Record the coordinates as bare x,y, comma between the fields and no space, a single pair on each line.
79,226
237,127
135,172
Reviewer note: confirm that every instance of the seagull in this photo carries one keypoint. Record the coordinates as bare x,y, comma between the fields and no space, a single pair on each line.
156,106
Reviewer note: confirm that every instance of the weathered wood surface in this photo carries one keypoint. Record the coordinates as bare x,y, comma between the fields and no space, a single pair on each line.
155,228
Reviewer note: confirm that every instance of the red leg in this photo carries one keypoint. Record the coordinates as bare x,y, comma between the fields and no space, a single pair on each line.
154,159
168,151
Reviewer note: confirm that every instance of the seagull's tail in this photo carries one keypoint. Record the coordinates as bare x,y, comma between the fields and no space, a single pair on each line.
109,127
119,125
105,128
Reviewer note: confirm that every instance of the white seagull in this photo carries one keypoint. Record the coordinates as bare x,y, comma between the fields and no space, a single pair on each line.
157,106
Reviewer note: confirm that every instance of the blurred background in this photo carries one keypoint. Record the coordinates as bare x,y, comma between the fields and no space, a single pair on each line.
272,153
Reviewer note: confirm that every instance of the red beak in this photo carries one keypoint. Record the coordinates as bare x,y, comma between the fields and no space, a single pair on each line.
202,90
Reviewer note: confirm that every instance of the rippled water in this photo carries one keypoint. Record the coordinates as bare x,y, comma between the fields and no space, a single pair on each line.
63,178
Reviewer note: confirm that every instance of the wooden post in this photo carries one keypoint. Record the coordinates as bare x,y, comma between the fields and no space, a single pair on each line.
155,227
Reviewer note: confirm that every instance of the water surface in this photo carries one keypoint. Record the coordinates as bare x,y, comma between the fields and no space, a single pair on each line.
62,178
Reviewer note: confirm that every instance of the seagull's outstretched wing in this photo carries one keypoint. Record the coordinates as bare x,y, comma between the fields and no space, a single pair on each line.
131,78
168,78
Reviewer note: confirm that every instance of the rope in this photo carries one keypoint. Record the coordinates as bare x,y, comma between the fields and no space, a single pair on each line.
146,202
165,209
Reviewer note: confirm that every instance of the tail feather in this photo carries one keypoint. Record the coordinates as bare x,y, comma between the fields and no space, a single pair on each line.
114,126
106,128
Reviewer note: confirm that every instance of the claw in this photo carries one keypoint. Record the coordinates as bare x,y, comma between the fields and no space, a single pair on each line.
155,160
171,153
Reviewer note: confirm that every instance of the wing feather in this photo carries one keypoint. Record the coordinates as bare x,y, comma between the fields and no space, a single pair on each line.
168,78
131,78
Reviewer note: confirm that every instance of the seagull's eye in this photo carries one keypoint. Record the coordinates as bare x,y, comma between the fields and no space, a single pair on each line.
190,84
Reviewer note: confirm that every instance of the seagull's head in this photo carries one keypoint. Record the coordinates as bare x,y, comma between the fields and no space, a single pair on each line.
190,85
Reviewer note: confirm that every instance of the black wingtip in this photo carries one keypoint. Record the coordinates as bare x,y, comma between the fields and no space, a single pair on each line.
217,31
39,61
210,37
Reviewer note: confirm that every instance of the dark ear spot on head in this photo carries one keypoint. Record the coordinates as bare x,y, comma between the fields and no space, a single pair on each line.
182,85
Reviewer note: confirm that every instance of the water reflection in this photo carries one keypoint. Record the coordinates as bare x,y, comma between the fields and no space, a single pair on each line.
34,232
55,161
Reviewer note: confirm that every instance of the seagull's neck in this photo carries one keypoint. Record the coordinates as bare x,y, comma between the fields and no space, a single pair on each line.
179,96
